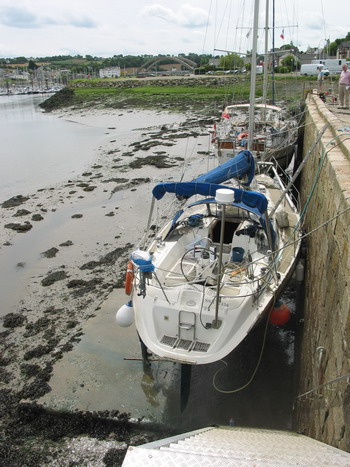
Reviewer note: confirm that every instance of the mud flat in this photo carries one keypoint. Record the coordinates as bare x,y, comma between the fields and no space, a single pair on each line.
63,251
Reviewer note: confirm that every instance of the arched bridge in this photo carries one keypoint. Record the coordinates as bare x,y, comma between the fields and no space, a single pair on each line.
185,62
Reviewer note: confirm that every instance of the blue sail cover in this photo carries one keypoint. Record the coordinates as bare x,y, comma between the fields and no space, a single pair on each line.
249,200
237,167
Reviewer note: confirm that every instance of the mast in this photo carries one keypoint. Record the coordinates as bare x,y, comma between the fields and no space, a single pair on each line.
266,59
273,51
253,76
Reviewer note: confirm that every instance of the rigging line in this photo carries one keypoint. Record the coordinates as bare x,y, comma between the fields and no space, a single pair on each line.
298,239
184,163
206,27
311,231
221,24
317,175
232,391
334,380
228,23
324,23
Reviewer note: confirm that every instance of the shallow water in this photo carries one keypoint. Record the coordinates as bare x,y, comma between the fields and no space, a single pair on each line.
39,149
105,372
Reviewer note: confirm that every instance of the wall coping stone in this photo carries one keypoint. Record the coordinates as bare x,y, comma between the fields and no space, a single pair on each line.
335,125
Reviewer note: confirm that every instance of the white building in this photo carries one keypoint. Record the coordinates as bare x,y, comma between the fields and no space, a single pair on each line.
110,72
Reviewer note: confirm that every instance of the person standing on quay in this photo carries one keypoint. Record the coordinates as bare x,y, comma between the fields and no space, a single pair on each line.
320,79
344,86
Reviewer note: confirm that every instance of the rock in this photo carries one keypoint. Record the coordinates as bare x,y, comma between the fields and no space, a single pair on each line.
19,227
89,188
90,265
116,179
162,162
67,243
72,324
114,456
54,277
76,283
50,253
14,201
37,217
21,212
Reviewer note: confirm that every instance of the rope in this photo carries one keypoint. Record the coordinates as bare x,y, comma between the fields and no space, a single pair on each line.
232,391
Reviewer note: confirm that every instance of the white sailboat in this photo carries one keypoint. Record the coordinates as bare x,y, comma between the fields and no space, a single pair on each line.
217,265
267,130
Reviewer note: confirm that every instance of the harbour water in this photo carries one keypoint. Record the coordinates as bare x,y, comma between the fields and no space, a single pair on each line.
38,149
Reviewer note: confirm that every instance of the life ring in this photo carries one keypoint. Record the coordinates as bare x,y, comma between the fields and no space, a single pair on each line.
129,278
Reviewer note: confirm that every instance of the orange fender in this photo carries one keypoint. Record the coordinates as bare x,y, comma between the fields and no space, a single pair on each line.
129,278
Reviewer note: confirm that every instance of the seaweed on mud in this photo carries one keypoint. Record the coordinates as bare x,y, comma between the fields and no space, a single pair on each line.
14,201
109,259
13,320
34,328
54,277
41,350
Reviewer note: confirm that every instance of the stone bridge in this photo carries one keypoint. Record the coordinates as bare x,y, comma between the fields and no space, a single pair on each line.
185,62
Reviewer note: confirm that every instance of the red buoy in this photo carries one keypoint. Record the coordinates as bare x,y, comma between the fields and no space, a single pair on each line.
280,315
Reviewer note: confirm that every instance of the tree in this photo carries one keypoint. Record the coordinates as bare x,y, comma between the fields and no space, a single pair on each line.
231,61
290,62
32,65
290,46
332,49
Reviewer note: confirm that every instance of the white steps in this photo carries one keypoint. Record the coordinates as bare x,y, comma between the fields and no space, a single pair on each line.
234,446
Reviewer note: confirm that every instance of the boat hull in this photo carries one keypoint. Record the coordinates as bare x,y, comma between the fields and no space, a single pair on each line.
185,309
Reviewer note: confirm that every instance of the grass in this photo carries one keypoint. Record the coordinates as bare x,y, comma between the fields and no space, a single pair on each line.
115,93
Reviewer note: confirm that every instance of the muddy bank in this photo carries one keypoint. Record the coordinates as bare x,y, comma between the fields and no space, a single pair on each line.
64,250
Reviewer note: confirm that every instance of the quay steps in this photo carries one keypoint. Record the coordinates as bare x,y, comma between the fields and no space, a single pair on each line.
235,446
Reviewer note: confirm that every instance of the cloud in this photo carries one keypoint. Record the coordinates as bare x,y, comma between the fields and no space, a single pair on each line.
15,17
19,18
186,16
314,22
83,22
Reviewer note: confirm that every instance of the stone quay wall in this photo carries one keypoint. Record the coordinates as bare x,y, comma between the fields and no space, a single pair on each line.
324,413
193,80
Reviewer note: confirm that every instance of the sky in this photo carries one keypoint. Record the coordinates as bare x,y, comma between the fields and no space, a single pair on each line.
103,28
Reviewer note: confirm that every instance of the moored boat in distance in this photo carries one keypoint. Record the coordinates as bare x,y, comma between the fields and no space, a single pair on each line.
275,133
205,276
